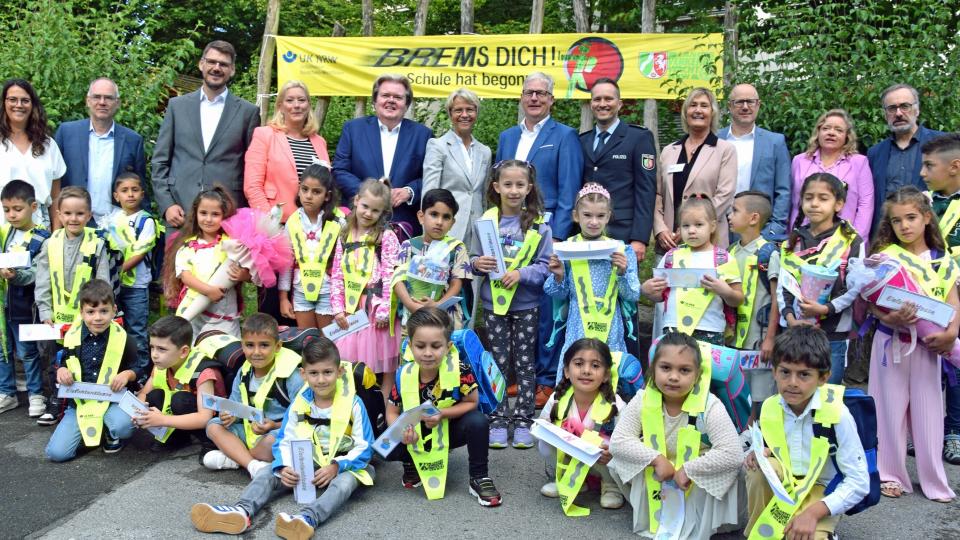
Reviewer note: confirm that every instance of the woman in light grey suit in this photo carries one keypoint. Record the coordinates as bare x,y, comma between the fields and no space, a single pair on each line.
459,163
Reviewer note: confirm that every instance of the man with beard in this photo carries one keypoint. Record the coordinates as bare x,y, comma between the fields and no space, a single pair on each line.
203,139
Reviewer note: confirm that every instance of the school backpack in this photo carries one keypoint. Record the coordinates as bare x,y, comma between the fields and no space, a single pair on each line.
154,259
864,412
368,390
296,339
224,352
629,376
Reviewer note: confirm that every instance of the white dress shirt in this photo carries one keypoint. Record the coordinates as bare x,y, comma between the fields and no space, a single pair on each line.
210,113
744,147
610,129
100,172
527,137
388,145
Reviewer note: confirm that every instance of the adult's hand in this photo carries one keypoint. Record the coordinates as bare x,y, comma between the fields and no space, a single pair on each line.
399,196
640,249
174,215
667,240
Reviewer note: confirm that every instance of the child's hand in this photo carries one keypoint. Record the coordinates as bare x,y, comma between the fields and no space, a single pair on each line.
47,322
381,323
431,421
941,342
663,469
681,479
619,261
262,428
766,347
556,267
510,279
793,321
750,462
289,477
654,287
804,525
227,419
238,273
325,474
215,294
425,302
714,284
286,307
667,240
64,376
8,273
153,417
485,264
811,309
905,316
410,436
122,380
605,455
341,320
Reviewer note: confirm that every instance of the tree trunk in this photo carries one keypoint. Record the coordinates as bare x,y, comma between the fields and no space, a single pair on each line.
323,102
419,29
360,107
536,17
267,49
648,26
582,19
730,19
466,16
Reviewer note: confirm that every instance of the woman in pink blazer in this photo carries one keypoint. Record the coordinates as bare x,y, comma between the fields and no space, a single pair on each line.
698,163
281,150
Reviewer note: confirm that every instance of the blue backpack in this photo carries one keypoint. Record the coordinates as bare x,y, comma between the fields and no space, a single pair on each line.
864,412
630,376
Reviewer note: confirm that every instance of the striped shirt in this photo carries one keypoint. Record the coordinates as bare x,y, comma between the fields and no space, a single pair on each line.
303,153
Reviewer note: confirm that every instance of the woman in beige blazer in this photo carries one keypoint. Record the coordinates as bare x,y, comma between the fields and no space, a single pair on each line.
698,163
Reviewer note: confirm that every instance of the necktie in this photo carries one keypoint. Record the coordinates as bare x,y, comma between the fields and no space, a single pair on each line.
601,139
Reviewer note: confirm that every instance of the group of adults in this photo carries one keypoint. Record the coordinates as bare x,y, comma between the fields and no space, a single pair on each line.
213,136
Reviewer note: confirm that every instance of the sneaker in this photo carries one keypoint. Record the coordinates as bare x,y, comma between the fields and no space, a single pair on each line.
550,490
52,414
485,492
543,394
522,439
8,402
255,466
498,437
951,451
216,460
296,527
37,405
221,519
610,496
411,478
111,445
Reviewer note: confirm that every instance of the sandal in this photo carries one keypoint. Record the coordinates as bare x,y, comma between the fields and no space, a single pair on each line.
891,489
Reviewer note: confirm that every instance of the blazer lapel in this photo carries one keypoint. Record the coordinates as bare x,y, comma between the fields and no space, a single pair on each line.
85,155
454,145
373,140
541,138
118,142
760,144
287,151
706,154
230,109
612,142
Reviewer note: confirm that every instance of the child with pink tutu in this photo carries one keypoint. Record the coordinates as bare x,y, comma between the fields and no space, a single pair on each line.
363,265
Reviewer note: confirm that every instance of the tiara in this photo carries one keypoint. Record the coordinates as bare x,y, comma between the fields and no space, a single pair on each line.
593,187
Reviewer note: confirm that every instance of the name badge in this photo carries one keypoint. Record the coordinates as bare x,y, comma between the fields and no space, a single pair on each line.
675,168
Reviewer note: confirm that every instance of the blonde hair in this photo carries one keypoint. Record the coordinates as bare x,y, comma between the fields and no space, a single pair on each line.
714,108
277,122
813,143
466,95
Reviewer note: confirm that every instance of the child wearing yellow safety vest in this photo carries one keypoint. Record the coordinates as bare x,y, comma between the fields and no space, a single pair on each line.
180,375
595,289
436,374
511,304
676,431
268,380
96,350
437,210
313,229
135,275
804,460
584,404
906,388
757,317
330,414
829,241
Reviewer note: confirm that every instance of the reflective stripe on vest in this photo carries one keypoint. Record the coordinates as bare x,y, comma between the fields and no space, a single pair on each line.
936,283
90,412
65,306
358,271
203,274
778,513
950,218
284,365
688,438
123,238
502,296
750,275
20,247
570,472
341,421
826,254
596,313
312,262
183,377
431,464
692,303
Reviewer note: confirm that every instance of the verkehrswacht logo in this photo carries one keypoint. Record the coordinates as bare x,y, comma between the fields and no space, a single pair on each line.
589,59
290,56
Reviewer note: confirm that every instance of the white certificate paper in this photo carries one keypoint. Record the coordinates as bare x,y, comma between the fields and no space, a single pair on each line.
775,484
937,312
449,302
672,501
84,390
684,278
355,323
393,436
235,408
302,452
590,249
133,407
568,443
40,332
490,243
15,259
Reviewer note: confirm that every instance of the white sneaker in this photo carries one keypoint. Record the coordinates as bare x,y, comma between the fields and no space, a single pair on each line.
38,404
216,460
8,402
550,490
256,466
610,496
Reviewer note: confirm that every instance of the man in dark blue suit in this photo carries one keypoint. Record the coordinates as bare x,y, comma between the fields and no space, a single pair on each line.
97,149
388,145
554,151
895,161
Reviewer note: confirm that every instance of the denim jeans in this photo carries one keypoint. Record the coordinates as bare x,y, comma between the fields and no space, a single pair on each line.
838,360
66,438
135,304
266,486
470,430
28,353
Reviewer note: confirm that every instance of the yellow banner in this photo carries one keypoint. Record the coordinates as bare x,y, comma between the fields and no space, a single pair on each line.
644,65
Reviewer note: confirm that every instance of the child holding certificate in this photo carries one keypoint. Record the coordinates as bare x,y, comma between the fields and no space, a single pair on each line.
907,389
268,381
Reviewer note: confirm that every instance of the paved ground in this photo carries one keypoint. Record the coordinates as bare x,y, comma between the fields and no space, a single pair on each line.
139,494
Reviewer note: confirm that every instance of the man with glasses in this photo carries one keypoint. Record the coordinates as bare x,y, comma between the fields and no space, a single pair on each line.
895,161
203,138
97,149
385,145
763,161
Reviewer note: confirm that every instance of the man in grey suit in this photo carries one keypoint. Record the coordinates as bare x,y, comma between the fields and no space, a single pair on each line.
203,139
763,161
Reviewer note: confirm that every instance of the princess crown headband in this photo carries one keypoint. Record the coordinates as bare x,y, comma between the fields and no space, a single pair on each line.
593,187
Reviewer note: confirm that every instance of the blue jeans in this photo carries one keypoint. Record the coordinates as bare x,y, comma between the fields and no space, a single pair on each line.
951,423
838,361
66,438
135,304
266,486
28,353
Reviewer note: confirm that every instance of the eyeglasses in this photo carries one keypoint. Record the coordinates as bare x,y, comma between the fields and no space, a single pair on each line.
745,102
539,93
22,101
903,107
393,97
101,97
463,110
217,63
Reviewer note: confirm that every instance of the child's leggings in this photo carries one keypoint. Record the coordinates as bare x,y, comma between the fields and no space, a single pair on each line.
513,342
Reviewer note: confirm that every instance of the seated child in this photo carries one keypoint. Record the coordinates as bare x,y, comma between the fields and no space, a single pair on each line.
801,368
659,437
586,405
96,350
340,466
437,375
268,380
179,377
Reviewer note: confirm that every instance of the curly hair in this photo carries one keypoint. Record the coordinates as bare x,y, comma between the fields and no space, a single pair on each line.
909,195
37,130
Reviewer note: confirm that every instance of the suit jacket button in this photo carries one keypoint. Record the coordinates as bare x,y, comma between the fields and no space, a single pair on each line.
594,168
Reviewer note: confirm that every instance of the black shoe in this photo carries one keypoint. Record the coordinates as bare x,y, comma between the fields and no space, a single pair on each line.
53,413
111,445
485,492
411,478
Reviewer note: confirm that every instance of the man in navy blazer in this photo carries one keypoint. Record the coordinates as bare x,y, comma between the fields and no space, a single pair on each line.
386,144
895,161
554,150
97,149
763,160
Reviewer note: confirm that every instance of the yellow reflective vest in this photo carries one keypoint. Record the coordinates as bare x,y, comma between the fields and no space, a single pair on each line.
313,262
65,303
284,364
597,313
693,302
90,412
502,296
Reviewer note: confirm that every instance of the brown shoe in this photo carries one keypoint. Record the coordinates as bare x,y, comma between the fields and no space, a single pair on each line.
512,390
543,394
